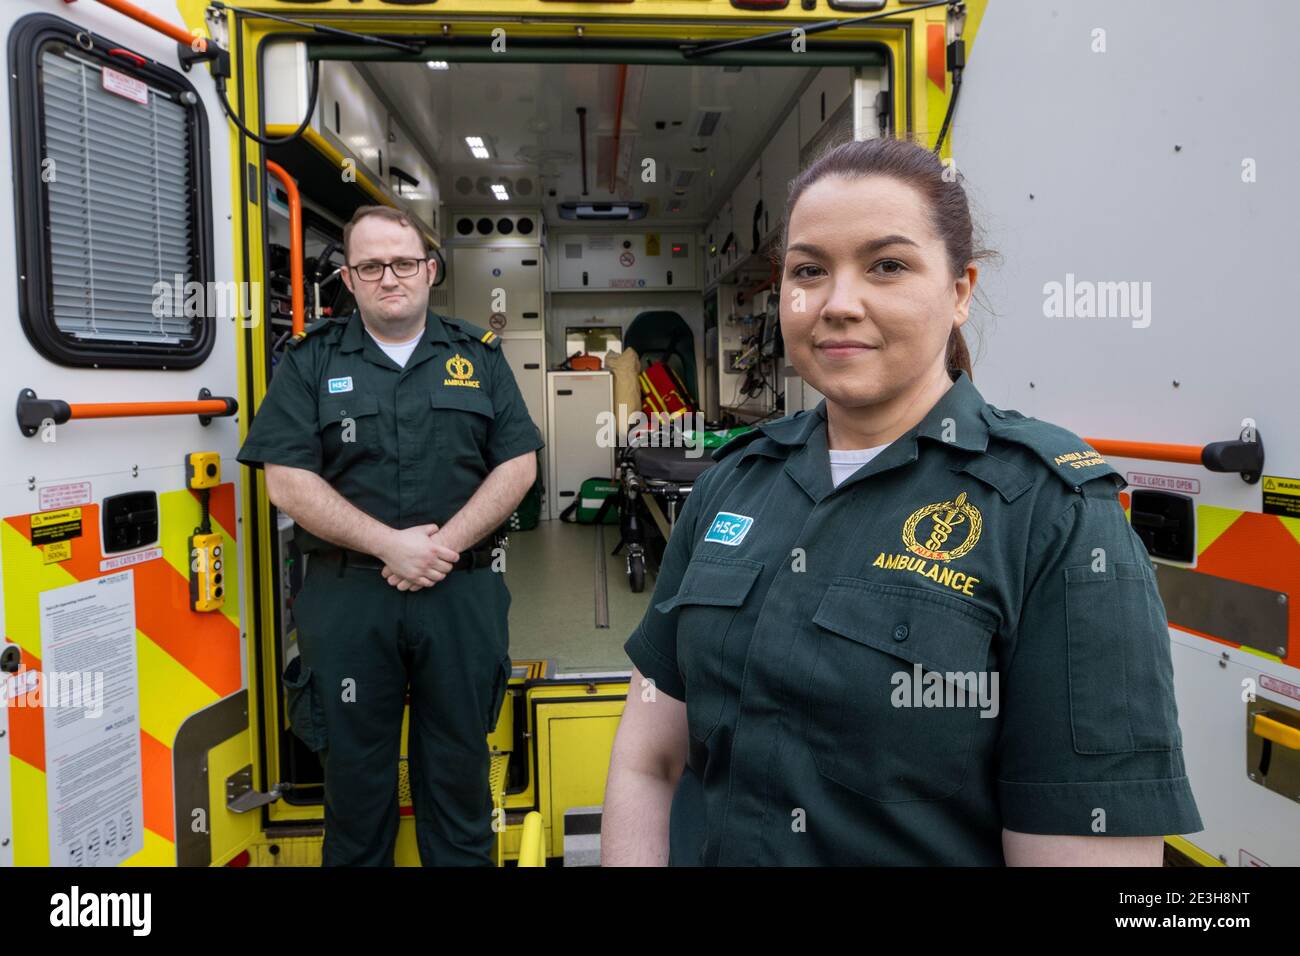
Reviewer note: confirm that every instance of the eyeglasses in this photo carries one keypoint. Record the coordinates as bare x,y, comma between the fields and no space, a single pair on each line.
371,271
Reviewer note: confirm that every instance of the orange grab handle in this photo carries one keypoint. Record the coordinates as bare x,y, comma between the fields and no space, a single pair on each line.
179,34
1150,451
35,413
213,406
1244,455
295,242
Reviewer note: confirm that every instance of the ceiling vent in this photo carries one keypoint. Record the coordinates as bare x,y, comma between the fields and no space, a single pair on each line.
603,211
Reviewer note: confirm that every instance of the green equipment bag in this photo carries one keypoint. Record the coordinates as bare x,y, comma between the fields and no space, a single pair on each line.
591,496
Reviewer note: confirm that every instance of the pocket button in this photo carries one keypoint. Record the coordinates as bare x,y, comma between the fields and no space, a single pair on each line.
900,632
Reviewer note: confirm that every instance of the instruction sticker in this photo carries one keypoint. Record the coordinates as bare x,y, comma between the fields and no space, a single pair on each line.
1281,496
127,87
126,560
51,526
65,496
58,551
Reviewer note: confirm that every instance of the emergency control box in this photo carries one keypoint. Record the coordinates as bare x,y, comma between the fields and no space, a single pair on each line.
207,577
207,588
203,470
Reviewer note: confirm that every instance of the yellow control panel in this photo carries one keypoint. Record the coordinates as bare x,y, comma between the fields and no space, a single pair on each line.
207,591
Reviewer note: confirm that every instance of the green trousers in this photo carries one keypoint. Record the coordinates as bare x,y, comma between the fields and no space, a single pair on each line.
363,647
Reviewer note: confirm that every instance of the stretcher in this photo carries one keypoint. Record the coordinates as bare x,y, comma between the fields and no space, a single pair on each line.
654,482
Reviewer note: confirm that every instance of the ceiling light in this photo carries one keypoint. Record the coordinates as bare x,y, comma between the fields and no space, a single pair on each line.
499,191
476,147
439,65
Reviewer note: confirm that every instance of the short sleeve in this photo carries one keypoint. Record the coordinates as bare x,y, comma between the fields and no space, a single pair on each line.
285,430
653,645
513,432
1089,742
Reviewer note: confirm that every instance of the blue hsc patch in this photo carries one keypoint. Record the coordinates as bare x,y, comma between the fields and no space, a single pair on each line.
728,528
340,385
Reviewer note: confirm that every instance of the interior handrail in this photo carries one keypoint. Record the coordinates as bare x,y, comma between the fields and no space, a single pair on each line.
295,243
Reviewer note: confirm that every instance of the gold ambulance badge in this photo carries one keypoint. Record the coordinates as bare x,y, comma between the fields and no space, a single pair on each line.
939,523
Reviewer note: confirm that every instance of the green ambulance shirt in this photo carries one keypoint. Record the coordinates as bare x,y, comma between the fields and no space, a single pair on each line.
409,444
963,636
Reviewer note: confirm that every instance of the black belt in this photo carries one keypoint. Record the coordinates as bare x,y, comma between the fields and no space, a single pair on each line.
469,561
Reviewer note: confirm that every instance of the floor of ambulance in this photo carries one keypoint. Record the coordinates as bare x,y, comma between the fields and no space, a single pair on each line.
555,589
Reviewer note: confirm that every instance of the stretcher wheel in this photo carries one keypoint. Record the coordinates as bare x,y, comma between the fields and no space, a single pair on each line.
636,572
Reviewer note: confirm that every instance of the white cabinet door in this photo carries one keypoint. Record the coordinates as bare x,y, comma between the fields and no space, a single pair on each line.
824,95
780,166
500,281
744,204
575,401
527,361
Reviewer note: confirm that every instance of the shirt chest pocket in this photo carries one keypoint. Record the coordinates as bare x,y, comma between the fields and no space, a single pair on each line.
900,679
709,654
349,429
462,420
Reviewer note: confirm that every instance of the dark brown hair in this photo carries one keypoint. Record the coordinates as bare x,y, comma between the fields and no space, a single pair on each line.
938,183
381,212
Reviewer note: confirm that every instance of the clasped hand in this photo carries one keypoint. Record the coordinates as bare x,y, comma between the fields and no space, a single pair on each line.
417,557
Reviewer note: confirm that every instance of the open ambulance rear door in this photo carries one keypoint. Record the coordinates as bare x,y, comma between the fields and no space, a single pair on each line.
127,731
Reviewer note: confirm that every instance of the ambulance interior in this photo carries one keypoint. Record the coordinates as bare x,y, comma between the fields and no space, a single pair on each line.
578,230
567,199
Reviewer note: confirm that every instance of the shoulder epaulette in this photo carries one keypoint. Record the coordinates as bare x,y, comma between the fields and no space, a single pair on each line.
316,328
486,336
1064,453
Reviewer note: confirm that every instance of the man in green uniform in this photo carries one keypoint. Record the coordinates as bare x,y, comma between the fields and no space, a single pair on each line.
399,443
959,643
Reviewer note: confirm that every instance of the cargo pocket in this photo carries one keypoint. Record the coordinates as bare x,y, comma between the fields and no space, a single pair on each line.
1120,671
712,590
900,679
349,428
462,420
499,685
306,713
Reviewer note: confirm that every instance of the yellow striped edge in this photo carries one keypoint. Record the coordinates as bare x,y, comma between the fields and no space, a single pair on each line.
1193,852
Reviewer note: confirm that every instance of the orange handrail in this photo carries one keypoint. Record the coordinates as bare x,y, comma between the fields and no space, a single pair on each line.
211,406
1149,451
179,34
295,242
1244,455
35,413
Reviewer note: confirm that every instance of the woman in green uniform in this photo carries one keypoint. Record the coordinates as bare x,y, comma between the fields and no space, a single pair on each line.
906,627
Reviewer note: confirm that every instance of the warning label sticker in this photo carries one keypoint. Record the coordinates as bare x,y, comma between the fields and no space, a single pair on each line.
51,526
1281,496
57,551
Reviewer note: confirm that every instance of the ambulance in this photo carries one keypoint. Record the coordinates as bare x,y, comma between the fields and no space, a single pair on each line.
180,174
